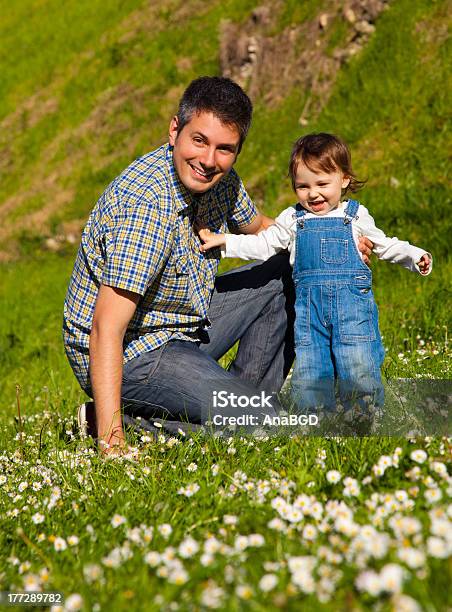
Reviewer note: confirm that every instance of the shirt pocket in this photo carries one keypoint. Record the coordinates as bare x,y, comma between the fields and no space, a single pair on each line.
334,250
174,290
181,264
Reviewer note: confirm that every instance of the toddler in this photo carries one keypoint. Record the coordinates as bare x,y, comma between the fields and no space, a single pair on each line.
337,339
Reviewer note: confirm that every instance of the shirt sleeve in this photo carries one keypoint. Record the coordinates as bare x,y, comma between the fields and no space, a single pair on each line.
242,210
137,247
266,243
390,249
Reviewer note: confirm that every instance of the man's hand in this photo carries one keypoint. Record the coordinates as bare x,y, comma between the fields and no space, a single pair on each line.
113,311
365,246
113,444
210,239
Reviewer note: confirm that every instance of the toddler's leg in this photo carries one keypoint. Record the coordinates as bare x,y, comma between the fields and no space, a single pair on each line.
312,385
357,348
313,376
358,374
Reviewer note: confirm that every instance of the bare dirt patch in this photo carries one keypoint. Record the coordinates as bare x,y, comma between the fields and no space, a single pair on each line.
269,66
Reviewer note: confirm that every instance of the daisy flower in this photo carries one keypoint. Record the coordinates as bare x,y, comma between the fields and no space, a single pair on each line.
152,558
333,476
391,578
419,455
178,576
433,495
244,591
73,602
38,518
437,548
188,548
165,530
117,520
59,544
268,582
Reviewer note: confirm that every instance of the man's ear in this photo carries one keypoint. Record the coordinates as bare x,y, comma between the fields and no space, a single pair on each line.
173,127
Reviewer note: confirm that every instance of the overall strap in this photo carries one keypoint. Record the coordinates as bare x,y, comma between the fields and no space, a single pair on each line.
299,215
351,211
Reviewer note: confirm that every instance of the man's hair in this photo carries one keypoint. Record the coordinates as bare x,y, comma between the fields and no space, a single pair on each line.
325,152
219,96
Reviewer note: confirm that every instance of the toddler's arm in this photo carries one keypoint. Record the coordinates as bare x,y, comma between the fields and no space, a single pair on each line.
392,249
210,240
260,246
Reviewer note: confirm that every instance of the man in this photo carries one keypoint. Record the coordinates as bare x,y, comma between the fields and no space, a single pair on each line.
142,325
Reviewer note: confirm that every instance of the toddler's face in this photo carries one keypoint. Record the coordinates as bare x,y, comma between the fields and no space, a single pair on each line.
319,192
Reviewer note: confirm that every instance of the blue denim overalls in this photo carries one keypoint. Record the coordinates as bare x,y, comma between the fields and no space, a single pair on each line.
336,328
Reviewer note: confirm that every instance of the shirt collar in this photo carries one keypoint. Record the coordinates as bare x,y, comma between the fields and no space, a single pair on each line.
183,198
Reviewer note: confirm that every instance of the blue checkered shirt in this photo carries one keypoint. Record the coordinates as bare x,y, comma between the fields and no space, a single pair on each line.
140,237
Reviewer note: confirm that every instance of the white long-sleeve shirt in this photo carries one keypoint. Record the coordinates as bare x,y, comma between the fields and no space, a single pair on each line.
282,235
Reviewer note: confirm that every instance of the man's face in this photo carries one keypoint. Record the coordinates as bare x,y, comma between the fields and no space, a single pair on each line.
204,151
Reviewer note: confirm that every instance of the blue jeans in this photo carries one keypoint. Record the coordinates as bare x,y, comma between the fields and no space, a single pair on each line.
254,305
338,342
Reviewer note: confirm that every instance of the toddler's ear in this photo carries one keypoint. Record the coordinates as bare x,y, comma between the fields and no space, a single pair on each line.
345,182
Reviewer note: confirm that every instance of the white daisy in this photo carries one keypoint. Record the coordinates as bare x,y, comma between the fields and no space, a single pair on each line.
419,455
333,476
117,520
268,582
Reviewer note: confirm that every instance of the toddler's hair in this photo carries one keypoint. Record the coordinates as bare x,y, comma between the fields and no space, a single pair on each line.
325,152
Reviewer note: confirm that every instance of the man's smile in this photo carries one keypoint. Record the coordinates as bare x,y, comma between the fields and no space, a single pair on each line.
202,173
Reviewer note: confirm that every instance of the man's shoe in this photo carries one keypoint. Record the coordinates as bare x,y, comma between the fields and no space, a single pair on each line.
86,418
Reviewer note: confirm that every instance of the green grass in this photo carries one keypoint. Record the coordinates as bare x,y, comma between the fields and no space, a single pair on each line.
294,12
80,525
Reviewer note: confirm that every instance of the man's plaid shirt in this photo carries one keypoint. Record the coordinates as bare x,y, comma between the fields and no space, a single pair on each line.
140,237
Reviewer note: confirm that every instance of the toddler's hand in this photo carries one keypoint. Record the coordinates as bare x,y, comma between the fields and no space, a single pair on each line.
210,239
424,264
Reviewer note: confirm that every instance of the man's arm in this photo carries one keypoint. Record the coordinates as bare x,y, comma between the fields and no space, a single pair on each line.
113,311
258,224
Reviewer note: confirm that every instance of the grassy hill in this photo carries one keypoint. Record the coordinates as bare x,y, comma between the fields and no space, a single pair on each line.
88,87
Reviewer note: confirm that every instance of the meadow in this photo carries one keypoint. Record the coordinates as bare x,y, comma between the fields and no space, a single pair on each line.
199,522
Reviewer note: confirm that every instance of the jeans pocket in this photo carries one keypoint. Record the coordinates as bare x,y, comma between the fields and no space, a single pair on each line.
303,316
356,312
141,369
334,250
